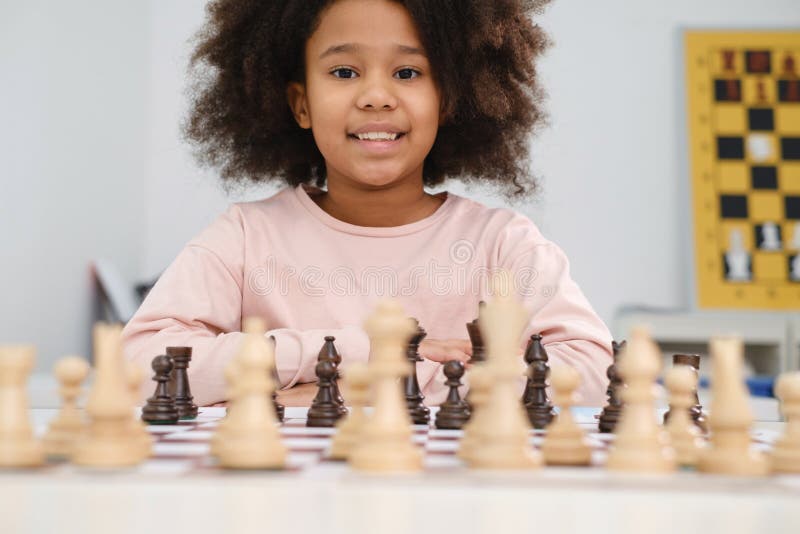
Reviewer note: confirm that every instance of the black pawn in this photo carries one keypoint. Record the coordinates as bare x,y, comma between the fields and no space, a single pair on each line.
180,389
613,409
279,408
324,409
160,408
453,412
537,405
329,353
419,413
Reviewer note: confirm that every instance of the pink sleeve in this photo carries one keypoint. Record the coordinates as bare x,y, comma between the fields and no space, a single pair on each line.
197,302
572,332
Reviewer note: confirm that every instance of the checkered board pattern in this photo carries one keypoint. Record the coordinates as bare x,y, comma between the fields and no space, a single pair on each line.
744,123
183,449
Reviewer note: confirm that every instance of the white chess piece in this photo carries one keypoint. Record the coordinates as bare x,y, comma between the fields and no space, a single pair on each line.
795,273
760,147
770,237
786,453
348,430
737,257
18,446
70,424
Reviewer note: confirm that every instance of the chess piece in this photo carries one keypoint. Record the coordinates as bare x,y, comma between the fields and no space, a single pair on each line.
786,453
696,411
280,409
613,409
135,377
184,401
385,444
348,430
160,408
231,375
329,353
737,258
565,442
537,405
324,410
475,338
795,268
110,441
504,428
69,425
770,236
684,434
640,444
453,412
419,413
250,438
480,381
730,451
18,446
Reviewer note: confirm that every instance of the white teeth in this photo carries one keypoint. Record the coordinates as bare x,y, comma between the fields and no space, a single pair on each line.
374,136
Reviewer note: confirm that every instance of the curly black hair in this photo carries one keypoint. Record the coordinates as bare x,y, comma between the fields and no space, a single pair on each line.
482,54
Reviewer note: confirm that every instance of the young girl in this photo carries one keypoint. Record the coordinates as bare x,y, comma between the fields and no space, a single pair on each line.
370,101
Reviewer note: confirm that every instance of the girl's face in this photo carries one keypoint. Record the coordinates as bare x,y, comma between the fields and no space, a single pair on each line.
366,72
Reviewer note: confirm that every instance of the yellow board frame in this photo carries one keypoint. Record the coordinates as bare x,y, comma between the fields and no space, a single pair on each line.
711,176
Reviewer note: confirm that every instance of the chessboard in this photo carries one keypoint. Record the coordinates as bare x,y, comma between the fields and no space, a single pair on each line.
744,124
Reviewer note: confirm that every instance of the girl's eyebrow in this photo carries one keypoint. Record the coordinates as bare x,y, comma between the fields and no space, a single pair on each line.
352,48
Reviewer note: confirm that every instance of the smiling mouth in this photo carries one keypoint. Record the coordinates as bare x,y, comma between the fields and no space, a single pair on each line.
399,136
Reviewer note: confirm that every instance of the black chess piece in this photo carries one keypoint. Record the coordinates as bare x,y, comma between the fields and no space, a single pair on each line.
454,412
475,338
160,408
420,414
329,353
537,404
613,409
324,409
179,382
696,411
280,409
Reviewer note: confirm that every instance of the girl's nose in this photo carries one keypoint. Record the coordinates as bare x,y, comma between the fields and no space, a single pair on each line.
376,93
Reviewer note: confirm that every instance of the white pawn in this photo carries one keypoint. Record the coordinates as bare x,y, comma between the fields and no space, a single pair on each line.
70,423
348,430
737,258
786,453
565,442
640,445
480,382
385,445
730,449
135,378
18,447
684,435
251,436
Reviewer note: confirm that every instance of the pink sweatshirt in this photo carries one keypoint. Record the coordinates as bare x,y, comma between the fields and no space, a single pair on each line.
310,275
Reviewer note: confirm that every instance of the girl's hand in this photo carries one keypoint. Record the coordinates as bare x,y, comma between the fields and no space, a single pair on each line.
444,350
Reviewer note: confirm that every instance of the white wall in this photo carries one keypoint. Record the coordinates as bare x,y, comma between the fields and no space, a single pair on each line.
72,136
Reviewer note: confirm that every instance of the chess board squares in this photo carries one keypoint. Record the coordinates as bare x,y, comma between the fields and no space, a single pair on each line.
791,232
727,61
768,236
759,91
764,177
733,206
758,61
727,90
761,148
789,178
761,119
765,206
792,207
787,120
790,148
730,119
769,266
730,147
789,91
734,177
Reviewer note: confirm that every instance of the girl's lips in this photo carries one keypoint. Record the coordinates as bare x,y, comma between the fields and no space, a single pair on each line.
378,147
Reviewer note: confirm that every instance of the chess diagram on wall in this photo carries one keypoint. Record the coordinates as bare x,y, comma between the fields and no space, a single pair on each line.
744,127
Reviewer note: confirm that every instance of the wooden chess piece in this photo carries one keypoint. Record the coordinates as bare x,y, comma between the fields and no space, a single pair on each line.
730,450
160,408
453,412
385,444
110,441
134,376
537,405
565,442
18,446
329,353
419,413
480,382
786,452
280,409
503,432
70,424
696,411
476,340
640,444
184,401
348,430
324,410
613,409
684,435
251,439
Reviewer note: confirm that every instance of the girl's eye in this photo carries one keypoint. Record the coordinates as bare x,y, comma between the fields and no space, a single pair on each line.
346,73
408,73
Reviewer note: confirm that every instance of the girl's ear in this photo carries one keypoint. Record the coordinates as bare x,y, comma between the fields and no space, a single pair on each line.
296,96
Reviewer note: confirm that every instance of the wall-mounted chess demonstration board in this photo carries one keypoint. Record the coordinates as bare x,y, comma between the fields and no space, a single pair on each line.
744,125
